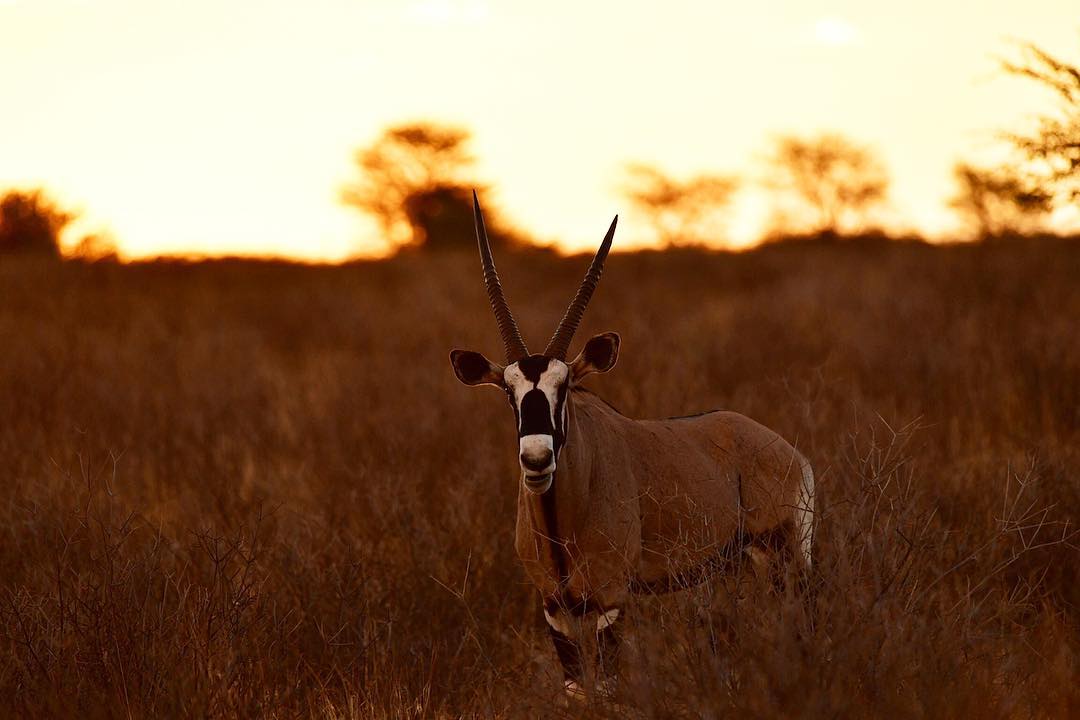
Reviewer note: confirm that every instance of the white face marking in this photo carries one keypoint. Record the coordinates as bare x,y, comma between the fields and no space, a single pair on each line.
538,447
550,380
603,620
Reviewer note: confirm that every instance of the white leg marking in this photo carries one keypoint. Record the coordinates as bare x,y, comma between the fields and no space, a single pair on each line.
558,622
804,513
604,619
573,690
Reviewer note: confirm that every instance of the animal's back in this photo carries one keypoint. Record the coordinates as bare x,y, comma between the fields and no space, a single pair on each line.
770,468
717,474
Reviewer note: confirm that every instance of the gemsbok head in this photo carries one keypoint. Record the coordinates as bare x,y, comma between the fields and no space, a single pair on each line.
537,386
608,505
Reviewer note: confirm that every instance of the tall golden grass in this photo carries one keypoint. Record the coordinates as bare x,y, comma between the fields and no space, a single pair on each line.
243,489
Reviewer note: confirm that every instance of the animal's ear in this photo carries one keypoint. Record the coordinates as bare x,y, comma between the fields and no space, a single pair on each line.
472,368
599,355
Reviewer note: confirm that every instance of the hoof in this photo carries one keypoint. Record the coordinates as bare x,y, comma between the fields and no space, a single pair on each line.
605,690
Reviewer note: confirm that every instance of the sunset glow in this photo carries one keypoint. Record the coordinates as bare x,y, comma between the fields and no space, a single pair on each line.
220,128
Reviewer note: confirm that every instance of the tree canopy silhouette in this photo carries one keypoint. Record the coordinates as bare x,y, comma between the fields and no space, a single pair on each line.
31,223
416,182
837,181
681,212
996,202
1052,147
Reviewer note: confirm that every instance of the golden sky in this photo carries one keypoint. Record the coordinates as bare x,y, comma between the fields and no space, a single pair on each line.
228,126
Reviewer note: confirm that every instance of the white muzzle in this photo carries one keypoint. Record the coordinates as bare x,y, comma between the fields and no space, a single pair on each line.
537,458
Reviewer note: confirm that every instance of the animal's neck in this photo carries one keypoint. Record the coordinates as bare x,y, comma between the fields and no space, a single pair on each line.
566,507
554,528
573,477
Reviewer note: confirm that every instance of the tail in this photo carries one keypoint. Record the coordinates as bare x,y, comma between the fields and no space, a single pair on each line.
804,513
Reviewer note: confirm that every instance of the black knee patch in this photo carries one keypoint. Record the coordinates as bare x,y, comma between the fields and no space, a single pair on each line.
569,656
607,648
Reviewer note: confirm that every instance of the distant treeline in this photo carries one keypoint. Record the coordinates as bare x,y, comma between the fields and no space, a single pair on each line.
416,179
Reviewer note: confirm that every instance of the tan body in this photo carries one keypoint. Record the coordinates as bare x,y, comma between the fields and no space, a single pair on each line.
643,502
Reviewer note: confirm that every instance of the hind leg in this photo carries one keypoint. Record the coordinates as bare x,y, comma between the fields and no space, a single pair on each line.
780,555
790,546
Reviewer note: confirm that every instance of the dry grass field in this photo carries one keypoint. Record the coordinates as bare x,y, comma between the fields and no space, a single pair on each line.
243,489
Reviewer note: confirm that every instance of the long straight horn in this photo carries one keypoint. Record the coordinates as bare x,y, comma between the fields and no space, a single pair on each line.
513,344
560,341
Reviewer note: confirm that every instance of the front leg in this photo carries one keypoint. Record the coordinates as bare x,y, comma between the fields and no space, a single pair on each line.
567,649
608,631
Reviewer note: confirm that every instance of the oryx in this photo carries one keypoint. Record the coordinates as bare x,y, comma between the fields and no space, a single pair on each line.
609,506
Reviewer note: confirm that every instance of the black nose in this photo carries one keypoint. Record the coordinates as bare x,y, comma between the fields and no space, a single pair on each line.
537,463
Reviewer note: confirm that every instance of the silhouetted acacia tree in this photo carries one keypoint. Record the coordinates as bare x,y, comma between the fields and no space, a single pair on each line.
998,202
838,181
31,223
1052,148
681,212
416,182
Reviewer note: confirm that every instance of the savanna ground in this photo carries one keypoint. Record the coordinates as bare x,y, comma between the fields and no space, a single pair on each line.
240,489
